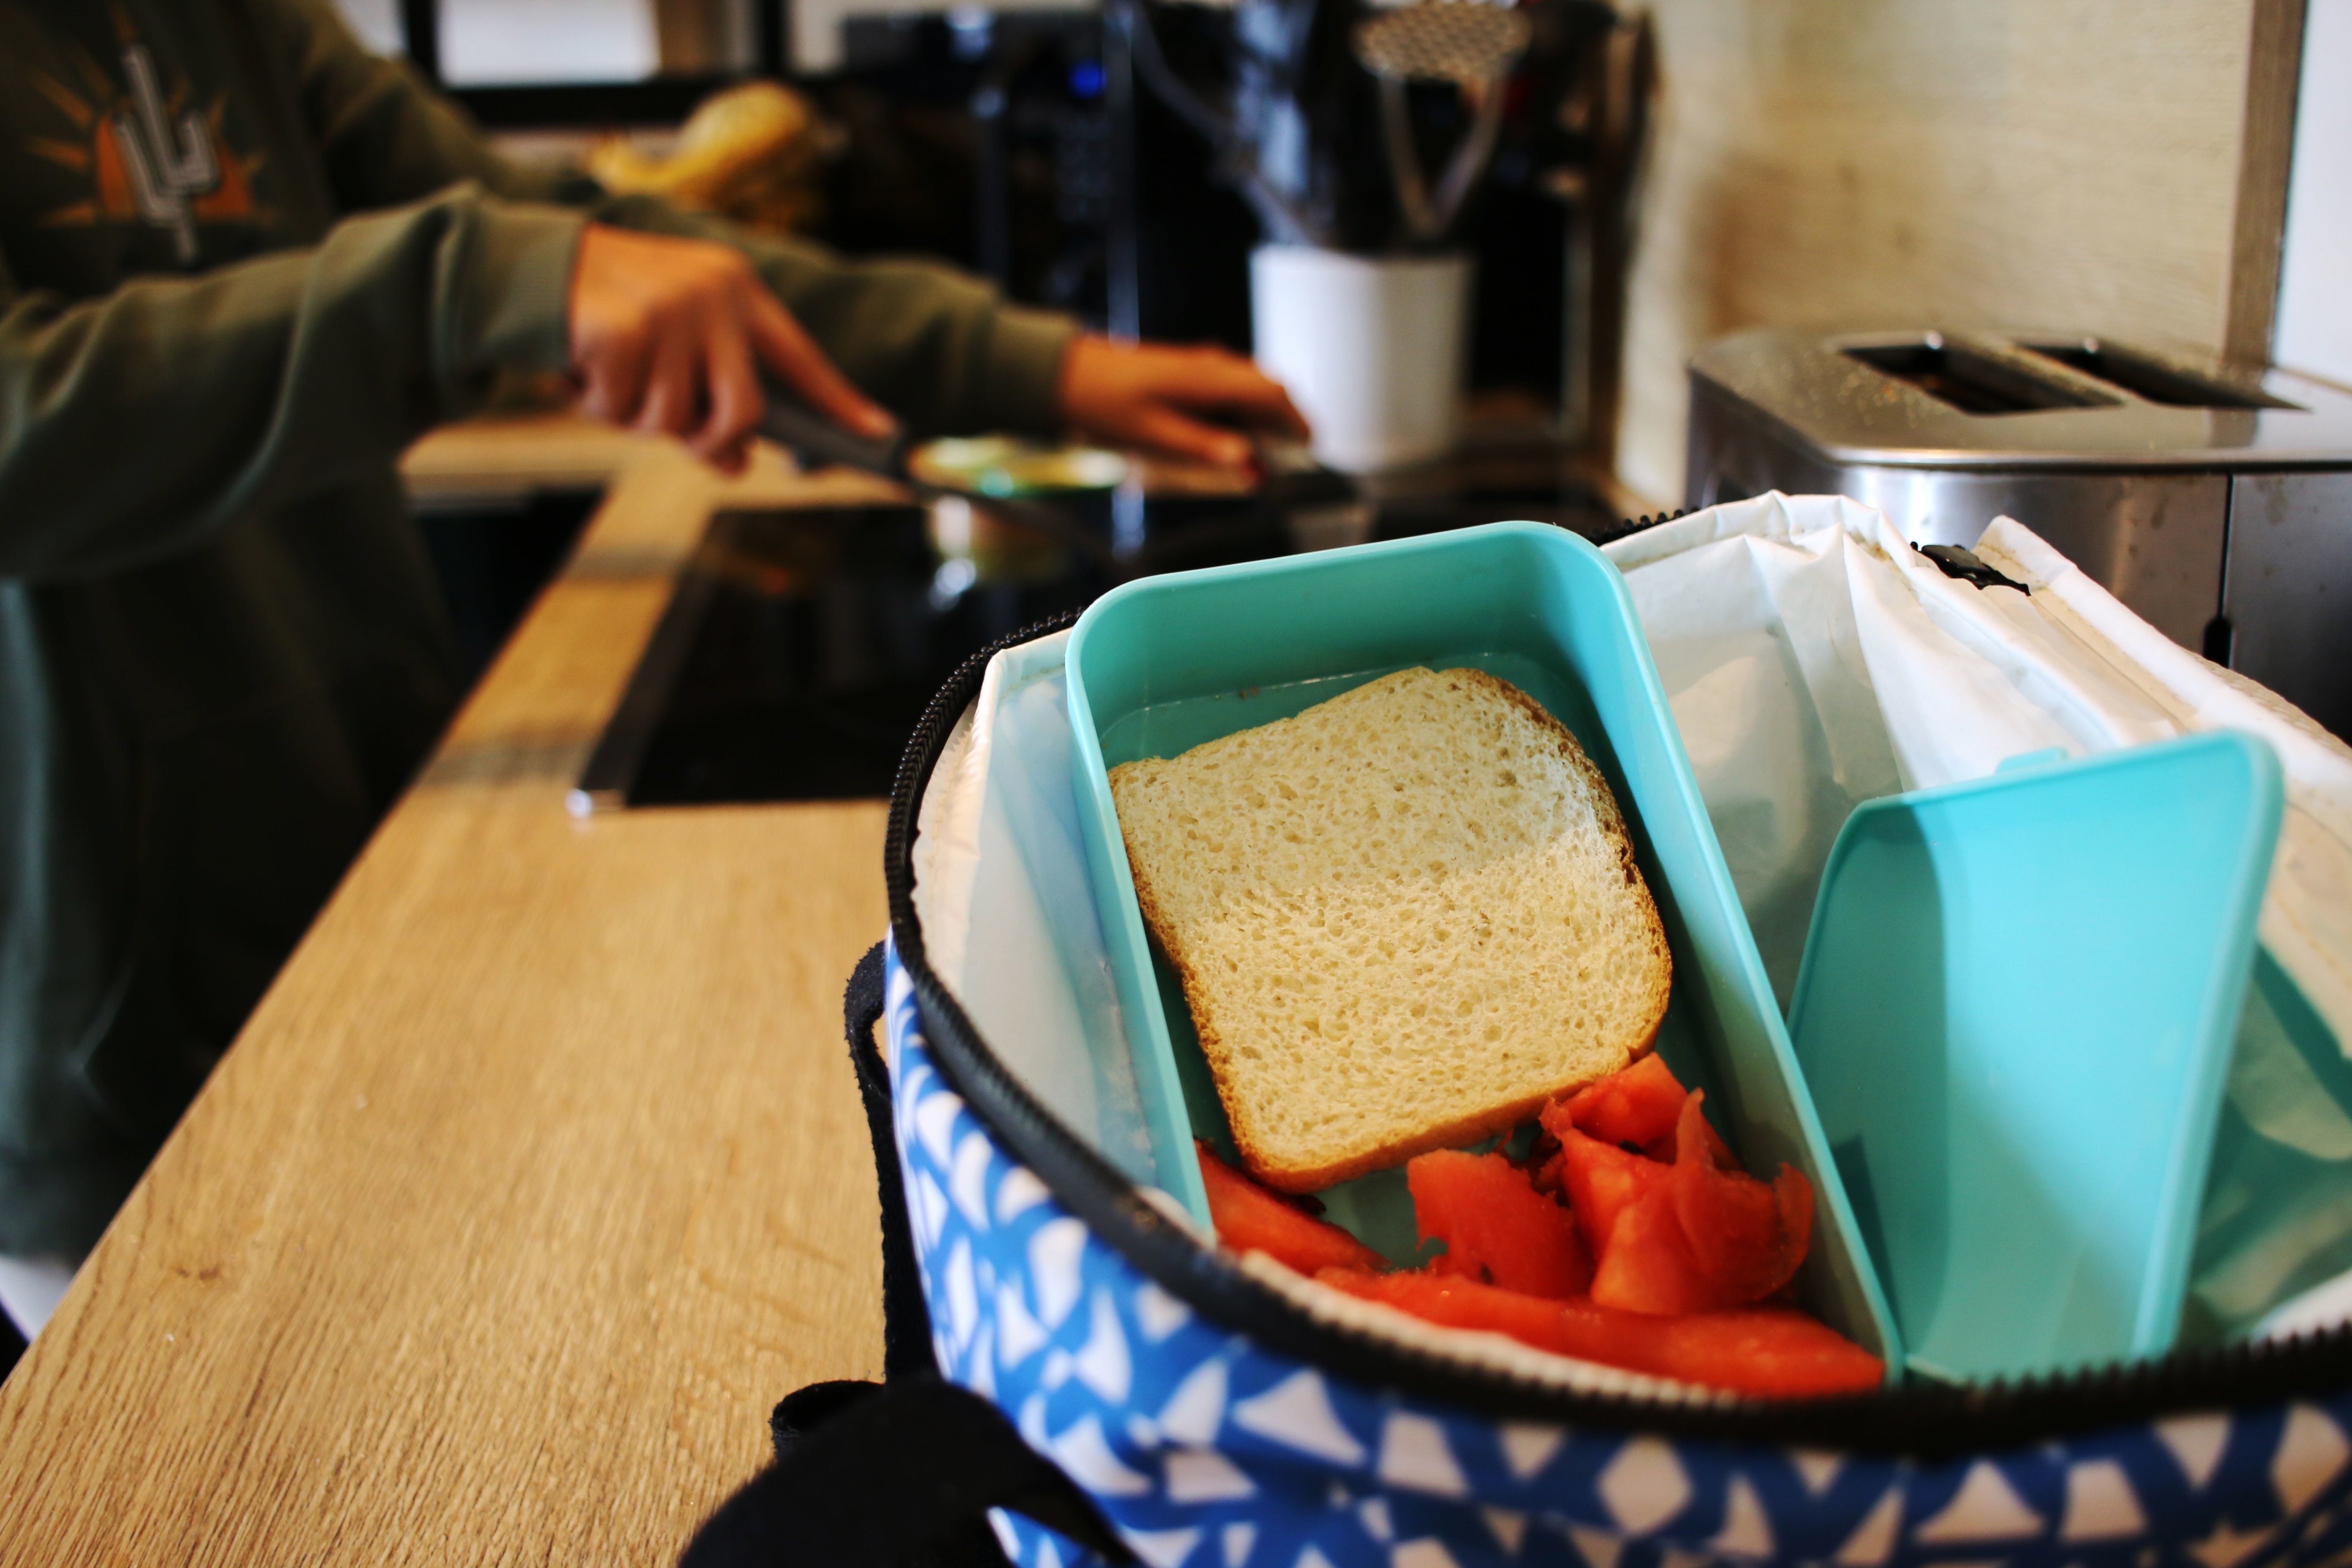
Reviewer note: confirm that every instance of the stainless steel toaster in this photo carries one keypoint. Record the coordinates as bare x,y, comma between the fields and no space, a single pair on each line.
2214,499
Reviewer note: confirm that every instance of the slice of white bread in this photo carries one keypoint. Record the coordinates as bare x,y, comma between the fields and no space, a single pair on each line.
1404,919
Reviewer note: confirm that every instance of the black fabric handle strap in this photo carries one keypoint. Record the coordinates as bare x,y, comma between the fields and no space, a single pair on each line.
905,1320
870,1474
901,1473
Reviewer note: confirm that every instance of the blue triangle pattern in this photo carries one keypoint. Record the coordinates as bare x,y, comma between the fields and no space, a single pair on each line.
1301,1448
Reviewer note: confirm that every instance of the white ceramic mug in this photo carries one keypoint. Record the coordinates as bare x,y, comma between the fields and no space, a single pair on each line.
1372,348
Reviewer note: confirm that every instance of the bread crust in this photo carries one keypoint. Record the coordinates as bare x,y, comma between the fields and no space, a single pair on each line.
1262,1162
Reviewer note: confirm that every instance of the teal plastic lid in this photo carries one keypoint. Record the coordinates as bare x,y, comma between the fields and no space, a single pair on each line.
2015,1019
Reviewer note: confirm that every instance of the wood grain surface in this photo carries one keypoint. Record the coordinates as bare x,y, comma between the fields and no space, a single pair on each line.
2106,166
536,1178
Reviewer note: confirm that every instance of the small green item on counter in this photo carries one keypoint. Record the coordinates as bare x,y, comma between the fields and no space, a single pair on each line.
1002,466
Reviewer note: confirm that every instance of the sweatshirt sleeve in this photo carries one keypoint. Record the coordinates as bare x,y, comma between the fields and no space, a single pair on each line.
937,346
134,423
384,136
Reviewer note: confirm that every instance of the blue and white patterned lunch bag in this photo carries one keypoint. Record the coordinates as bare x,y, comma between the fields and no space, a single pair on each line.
1207,1444
1060,1349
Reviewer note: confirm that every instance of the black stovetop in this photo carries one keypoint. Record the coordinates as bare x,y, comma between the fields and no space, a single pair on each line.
803,644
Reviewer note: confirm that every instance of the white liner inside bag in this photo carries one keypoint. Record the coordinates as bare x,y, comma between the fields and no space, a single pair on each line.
1009,920
1814,660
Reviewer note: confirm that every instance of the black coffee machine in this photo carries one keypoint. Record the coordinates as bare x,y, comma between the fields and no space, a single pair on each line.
1106,184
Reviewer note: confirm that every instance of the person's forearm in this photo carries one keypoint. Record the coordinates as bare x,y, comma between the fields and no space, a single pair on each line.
133,425
938,347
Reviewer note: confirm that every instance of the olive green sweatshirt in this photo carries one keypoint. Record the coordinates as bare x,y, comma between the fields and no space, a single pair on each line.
243,264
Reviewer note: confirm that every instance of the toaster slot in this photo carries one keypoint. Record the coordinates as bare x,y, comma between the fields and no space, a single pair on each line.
1971,382
2150,378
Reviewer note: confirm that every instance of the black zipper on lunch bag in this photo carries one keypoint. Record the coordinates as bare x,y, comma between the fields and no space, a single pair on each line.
1927,1420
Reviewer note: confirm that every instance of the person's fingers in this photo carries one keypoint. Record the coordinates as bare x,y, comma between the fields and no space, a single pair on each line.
786,349
613,373
608,330
672,382
1266,403
735,400
1178,435
733,457
1232,385
1174,399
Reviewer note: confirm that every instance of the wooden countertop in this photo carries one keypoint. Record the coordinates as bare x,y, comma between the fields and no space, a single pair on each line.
536,1178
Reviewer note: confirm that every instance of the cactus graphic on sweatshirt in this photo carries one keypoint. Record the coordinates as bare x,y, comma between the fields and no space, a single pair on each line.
151,157
167,162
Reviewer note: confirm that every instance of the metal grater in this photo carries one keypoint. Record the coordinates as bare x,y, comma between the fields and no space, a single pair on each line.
1468,43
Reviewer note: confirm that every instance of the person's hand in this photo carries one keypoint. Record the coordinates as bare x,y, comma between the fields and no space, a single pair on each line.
669,335
1180,401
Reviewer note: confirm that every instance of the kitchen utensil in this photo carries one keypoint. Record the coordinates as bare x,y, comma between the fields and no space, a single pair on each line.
1283,215
792,424
1465,43
1289,480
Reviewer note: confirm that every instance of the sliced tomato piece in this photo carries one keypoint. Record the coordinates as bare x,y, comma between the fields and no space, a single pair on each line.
1572,1327
1747,1238
1251,1219
1555,1118
1648,1265
1668,1148
1772,1352
1637,1104
1496,1225
1794,1194
1601,1182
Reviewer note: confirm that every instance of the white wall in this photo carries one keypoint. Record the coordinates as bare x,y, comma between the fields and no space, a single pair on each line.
377,22
495,42
2314,315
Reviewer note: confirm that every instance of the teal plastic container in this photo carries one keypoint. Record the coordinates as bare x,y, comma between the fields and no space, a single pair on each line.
2015,1013
1161,665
